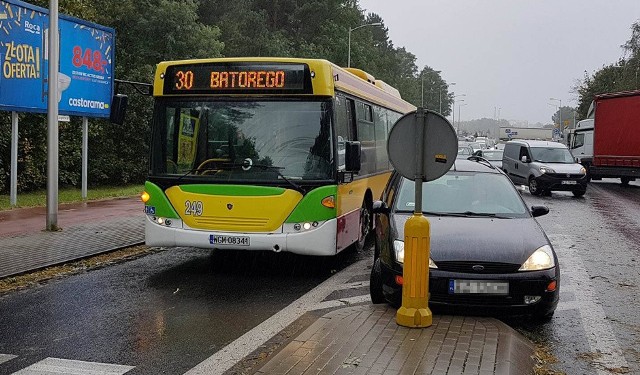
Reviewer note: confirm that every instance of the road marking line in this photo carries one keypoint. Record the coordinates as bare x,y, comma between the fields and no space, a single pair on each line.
568,305
6,357
72,367
233,353
343,302
598,331
354,285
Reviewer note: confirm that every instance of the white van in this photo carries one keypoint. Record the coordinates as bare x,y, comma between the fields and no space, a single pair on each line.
543,166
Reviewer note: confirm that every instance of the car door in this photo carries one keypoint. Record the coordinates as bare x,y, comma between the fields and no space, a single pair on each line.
509,161
521,169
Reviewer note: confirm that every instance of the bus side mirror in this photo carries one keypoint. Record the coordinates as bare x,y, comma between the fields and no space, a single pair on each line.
352,157
118,109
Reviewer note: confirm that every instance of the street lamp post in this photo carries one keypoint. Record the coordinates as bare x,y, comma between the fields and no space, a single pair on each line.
559,113
459,106
353,29
453,111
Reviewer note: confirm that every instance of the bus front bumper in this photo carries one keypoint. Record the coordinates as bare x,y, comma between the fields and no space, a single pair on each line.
319,241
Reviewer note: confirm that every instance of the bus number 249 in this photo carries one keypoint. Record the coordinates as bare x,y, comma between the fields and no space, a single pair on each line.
193,208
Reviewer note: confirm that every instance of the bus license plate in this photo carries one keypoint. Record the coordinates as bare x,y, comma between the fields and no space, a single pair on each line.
229,240
568,182
478,287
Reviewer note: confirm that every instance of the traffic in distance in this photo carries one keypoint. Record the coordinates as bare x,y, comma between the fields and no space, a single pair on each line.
290,155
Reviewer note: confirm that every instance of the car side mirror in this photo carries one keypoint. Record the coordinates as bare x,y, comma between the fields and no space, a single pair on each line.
539,210
380,207
352,157
524,159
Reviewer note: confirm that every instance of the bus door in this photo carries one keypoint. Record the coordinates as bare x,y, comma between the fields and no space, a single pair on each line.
345,126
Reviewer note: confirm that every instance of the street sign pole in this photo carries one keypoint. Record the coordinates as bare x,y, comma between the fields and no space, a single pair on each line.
13,188
52,119
422,146
415,311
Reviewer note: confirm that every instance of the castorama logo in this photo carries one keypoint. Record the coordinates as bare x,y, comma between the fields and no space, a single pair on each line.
84,103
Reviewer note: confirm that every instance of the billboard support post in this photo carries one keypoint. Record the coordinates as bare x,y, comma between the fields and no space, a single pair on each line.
52,119
85,155
13,194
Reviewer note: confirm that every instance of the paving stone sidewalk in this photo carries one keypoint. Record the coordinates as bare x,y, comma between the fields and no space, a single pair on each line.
87,229
367,340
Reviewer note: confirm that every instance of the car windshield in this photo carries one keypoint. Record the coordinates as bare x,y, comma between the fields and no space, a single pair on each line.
476,146
243,140
465,194
493,155
551,155
464,150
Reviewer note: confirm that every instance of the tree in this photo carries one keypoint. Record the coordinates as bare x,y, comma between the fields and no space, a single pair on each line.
567,116
621,76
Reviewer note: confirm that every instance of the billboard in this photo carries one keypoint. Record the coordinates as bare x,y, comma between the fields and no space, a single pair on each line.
86,62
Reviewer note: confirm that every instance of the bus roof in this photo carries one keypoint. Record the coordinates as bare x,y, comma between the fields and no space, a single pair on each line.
326,79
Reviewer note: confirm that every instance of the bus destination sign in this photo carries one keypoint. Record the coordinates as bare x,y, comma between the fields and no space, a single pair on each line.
237,78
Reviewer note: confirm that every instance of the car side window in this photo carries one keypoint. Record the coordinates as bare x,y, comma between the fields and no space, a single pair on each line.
391,192
578,141
523,152
510,150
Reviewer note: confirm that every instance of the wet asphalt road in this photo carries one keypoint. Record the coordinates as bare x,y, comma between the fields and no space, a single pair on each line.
596,329
168,311
163,313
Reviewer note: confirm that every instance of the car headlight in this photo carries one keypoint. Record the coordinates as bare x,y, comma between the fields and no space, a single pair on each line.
398,248
546,170
541,259
583,170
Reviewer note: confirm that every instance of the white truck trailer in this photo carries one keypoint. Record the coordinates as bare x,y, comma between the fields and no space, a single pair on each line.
509,133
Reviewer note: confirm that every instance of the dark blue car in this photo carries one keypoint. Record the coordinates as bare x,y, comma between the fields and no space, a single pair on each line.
488,253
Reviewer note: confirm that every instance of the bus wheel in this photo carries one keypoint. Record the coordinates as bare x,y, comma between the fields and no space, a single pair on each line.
625,181
365,226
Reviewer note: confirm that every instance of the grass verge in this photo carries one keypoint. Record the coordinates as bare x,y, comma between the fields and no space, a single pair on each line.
70,195
13,283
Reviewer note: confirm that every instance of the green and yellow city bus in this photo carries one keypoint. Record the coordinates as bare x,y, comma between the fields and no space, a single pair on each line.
274,154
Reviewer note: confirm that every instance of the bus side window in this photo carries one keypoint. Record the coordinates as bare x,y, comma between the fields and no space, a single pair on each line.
380,128
366,136
351,120
344,126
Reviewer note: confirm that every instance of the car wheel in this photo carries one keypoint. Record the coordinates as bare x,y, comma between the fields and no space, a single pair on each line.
534,188
375,283
365,226
578,193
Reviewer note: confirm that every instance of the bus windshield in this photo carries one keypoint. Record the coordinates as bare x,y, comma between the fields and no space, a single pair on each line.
243,140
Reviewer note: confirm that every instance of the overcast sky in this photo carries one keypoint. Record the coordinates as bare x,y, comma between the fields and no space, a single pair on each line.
512,54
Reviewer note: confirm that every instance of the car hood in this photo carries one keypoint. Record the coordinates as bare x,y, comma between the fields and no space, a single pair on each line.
480,239
563,167
496,163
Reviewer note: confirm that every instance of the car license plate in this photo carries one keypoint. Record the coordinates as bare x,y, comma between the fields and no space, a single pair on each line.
229,240
478,287
568,182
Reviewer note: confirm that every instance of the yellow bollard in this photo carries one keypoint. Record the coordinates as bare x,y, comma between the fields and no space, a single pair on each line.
414,311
